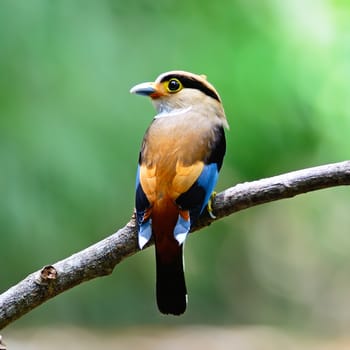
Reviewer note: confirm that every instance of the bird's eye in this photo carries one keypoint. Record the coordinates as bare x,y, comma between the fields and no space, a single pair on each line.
174,85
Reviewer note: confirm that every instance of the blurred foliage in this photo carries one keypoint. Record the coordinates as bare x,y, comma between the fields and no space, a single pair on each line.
70,135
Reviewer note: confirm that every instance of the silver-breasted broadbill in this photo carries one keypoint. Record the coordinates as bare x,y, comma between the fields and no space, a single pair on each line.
179,162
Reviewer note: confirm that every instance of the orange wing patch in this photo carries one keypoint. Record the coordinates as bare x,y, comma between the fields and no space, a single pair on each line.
148,182
185,177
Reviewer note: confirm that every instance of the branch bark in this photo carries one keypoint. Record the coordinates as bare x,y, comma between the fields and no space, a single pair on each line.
101,258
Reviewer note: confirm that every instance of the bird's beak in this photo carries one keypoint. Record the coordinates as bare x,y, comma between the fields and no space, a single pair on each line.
145,89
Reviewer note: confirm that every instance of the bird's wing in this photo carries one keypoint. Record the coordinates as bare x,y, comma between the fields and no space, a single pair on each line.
197,196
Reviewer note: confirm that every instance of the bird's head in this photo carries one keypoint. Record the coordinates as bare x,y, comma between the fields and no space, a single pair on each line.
178,90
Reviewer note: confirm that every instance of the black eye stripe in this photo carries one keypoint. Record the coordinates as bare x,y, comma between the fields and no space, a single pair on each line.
192,84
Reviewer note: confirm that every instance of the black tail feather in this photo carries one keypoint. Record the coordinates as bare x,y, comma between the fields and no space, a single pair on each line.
171,287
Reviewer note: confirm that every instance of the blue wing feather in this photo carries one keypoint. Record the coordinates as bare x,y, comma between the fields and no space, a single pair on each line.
208,179
142,204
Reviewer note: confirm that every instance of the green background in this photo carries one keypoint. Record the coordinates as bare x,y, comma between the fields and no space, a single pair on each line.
70,133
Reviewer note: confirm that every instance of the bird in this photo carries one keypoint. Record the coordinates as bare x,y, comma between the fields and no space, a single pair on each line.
180,158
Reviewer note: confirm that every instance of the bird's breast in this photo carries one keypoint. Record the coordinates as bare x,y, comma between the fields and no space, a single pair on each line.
170,139
172,156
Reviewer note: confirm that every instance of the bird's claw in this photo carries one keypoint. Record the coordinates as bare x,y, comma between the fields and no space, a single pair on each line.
209,205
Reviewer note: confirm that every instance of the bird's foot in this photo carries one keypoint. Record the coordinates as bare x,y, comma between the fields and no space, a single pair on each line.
209,205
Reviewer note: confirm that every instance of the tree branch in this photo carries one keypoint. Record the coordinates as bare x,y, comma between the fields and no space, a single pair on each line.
101,258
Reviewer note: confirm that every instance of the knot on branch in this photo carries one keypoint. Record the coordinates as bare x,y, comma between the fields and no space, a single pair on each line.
47,275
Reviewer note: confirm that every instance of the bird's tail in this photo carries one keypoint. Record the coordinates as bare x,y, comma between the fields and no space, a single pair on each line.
170,287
